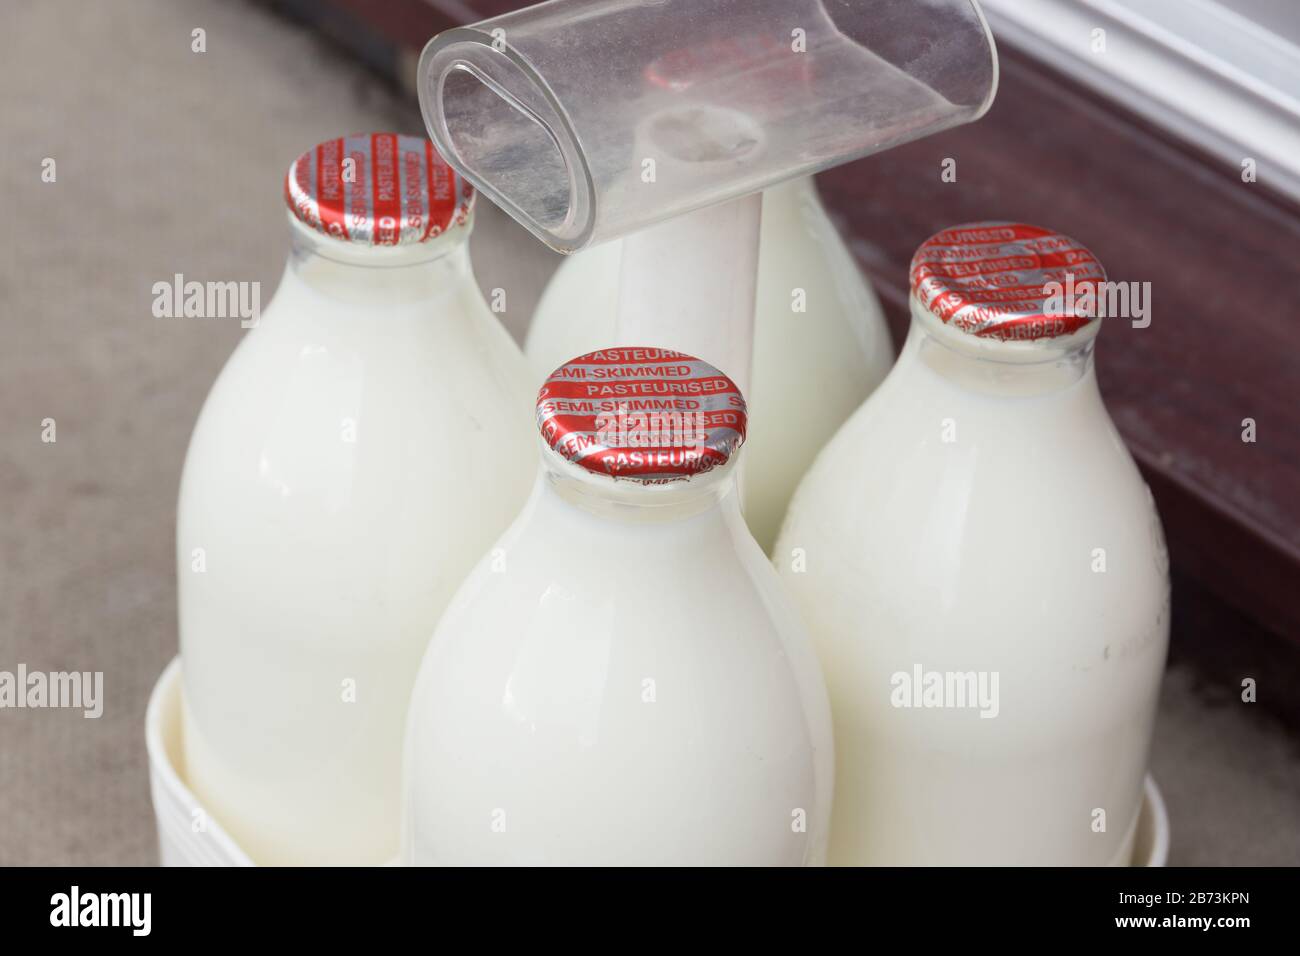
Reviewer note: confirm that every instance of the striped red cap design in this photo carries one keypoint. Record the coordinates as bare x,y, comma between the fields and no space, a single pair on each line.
1006,280
379,189
645,414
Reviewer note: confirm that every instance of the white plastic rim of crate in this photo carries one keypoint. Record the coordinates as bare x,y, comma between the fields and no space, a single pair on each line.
1151,844
181,844
187,834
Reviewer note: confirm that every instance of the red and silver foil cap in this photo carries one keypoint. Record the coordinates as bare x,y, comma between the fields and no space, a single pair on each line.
650,415
765,64
379,189
1007,281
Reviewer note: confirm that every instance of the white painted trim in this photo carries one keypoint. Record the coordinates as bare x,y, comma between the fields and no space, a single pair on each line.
1194,67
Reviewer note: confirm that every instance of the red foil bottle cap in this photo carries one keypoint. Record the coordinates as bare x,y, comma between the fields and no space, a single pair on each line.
766,64
1006,280
378,189
645,414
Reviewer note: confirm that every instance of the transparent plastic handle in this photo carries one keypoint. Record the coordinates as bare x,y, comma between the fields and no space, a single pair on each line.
589,119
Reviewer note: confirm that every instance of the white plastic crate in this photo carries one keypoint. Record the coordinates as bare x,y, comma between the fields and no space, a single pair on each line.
182,843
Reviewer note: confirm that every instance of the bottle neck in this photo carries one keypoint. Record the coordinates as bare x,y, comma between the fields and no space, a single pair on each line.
370,275
790,195
635,502
1018,369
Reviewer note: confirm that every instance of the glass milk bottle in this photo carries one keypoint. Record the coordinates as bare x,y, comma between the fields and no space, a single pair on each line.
816,320
985,577
365,443
622,680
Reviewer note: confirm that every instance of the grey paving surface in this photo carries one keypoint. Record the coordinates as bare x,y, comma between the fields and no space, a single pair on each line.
170,161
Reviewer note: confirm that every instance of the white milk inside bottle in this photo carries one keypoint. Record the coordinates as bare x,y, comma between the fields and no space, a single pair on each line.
365,443
621,680
984,576
816,318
